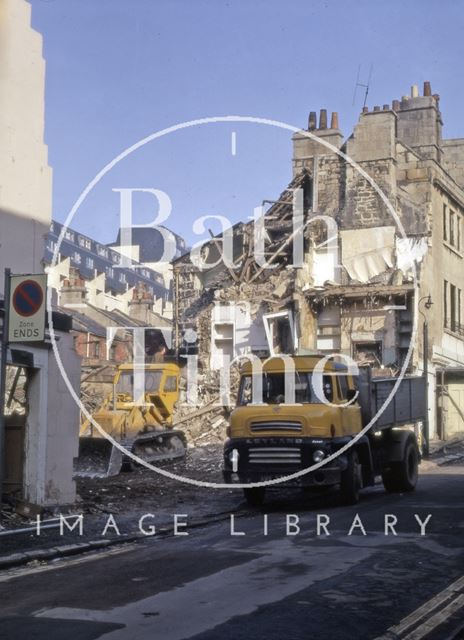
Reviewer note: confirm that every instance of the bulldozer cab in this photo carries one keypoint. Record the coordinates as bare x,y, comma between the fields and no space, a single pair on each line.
161,388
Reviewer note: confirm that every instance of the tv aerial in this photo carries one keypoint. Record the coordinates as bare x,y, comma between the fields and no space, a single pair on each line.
364,85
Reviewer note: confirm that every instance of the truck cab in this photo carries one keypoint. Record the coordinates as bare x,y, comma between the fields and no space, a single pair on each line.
273,436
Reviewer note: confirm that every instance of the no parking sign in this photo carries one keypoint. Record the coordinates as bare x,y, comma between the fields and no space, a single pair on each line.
27,308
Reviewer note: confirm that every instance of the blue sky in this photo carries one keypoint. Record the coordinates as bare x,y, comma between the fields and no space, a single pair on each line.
119,70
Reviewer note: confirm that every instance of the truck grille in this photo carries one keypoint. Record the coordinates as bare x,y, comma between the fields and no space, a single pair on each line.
276,425
274,455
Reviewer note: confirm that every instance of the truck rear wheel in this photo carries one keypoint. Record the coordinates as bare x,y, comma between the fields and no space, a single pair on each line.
255,496
350,481
402,476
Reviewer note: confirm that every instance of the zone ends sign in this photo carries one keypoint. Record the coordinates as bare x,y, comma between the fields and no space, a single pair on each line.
27,308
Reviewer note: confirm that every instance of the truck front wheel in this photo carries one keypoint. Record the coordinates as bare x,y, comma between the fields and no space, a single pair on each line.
255,496
350,481
402,476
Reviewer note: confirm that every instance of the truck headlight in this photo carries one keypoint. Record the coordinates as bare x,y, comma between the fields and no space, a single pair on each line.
233,458
318,455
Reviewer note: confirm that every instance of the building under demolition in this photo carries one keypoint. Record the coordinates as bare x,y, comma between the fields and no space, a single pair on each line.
386,207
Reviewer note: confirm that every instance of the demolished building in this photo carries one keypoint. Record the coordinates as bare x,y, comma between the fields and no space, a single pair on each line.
379,210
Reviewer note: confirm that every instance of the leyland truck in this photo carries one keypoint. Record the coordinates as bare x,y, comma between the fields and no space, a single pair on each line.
269,438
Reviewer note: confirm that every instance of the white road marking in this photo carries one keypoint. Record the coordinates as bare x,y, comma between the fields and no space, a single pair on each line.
439,618
214,599
234,143
425,610
66,561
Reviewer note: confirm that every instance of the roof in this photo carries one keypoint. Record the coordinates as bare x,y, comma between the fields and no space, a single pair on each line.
92,257
151,243
83,323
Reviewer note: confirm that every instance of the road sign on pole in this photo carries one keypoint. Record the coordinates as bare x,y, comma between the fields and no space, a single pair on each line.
27,308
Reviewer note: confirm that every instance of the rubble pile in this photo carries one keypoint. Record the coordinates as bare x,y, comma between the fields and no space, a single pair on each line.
448,452
205,422
142,487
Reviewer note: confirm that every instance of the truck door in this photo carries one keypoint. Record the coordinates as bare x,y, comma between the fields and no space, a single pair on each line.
352,420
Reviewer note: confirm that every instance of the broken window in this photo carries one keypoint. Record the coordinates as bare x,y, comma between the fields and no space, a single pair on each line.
16,390
368,352
280,332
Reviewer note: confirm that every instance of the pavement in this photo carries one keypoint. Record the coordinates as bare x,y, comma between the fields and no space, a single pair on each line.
262,583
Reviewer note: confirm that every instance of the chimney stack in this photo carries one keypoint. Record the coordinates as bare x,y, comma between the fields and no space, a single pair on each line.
376,108
386,107
396,105
312,123
334,120
427,88
365,110
323,119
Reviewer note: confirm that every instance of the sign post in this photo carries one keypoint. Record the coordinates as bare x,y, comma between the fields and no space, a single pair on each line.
23,321
27,308
4,348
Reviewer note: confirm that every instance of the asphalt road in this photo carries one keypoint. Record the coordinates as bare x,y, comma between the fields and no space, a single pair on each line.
212,585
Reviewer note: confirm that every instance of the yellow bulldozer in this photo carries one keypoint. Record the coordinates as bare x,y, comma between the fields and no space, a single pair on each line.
142,425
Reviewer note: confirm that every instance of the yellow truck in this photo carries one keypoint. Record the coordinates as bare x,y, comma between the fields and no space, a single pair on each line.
270,439
142,425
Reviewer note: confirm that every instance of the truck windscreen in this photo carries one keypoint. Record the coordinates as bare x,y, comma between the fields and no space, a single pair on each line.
274,388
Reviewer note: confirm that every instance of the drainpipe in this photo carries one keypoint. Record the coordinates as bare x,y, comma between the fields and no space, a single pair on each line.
425,371
425,330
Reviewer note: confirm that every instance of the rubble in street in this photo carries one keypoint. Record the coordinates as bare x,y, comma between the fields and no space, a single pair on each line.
448,452
134,491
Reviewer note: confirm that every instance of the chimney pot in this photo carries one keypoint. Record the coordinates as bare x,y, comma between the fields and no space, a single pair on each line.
334,120
323,119
312,122
365,110
427,88
414,91
386,107
396,105
376,108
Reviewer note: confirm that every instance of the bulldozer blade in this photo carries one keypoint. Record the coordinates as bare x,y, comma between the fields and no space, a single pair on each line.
97,457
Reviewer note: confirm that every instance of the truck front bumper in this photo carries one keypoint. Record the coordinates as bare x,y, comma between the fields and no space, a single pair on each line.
249,460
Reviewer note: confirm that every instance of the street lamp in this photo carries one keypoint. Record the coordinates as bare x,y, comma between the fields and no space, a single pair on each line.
425,368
